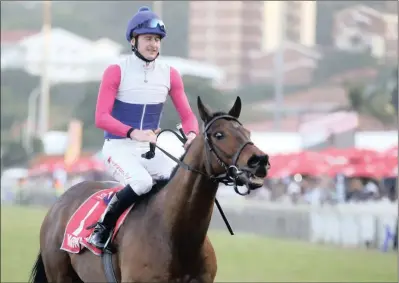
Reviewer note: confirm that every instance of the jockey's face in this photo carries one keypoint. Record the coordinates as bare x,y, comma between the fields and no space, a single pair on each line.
148,45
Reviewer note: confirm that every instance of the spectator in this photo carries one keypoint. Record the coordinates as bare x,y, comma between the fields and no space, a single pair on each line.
294,189
358,192
313,194
371,188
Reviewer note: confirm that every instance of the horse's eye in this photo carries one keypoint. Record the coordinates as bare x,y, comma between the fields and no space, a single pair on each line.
218,135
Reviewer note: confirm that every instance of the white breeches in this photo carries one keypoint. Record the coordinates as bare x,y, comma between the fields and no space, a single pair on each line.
124,162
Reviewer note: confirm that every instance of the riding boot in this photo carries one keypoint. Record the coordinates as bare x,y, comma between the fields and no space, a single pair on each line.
117,205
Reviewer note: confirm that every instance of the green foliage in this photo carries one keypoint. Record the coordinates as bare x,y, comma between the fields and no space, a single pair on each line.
37,146
380,108
394,91
374,101
14,154
355,96
92,137
13,108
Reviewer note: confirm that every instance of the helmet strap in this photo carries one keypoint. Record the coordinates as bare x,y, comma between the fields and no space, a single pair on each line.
138,54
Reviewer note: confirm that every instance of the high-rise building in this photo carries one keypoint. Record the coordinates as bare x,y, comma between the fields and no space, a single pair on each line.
299,18
225,33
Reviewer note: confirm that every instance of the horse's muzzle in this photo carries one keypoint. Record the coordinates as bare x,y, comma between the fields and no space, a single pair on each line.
258,165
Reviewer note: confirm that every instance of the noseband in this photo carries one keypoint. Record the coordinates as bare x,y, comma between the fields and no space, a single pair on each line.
231,174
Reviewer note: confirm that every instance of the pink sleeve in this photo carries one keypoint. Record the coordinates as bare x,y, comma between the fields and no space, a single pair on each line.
105,101
179,98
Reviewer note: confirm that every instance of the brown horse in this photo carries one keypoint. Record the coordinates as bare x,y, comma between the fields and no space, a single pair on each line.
164,237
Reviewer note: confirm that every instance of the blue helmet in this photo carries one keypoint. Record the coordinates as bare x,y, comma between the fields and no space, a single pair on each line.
145,22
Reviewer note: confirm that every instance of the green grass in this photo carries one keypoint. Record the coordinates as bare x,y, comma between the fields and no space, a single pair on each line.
240,258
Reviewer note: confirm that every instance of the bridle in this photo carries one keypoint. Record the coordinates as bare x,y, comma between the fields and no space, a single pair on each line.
231,175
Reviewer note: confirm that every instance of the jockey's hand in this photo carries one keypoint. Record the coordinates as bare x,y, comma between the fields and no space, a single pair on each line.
190,137
145,135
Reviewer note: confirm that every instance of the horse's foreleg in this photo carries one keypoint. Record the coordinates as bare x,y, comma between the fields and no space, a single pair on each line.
209,261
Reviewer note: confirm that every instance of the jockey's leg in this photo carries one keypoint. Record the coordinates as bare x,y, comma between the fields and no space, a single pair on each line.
125,166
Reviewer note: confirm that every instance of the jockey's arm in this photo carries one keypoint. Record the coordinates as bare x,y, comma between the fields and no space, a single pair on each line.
180,101
105,101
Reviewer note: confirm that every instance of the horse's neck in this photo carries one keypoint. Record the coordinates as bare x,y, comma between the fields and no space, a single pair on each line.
189,200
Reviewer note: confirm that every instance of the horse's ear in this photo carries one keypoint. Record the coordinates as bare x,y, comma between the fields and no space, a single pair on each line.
204,112
235,111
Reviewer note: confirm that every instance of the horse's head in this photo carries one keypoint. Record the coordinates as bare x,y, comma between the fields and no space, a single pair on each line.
230,153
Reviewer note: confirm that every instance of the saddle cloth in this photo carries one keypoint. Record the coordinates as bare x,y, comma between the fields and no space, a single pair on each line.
76,234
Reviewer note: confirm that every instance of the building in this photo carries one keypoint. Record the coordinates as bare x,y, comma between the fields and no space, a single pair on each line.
299,23
228,33
221,32
361,28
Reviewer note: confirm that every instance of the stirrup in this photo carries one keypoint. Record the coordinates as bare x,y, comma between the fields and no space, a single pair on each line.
102,245
101,226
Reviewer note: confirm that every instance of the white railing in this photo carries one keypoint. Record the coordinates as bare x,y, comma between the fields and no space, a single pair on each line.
370,224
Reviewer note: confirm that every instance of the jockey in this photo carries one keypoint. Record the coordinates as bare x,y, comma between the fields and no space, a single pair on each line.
129,107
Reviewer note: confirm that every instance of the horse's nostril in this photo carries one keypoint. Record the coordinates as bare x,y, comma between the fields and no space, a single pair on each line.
258,161
253,161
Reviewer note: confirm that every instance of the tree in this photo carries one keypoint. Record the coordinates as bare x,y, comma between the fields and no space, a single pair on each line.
37,146
14,154
394,92
355,96
371,100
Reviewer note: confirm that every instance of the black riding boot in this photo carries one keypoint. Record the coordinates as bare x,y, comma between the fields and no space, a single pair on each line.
117,205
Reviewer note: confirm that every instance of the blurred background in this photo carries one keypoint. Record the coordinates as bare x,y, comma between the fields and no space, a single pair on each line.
318,81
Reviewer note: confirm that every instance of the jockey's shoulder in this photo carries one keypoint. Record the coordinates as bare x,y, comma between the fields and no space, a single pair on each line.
112,71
